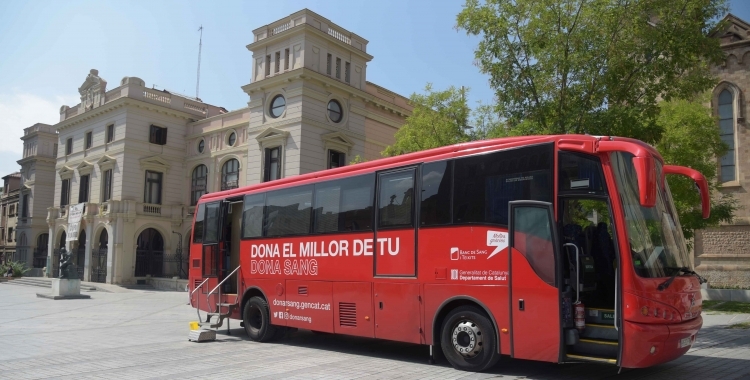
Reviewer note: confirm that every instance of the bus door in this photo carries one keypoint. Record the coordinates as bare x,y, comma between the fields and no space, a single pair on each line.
212,239
535,297
230,243
396,300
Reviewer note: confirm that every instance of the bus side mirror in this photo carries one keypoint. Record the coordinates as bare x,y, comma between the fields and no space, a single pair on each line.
700,180
646,173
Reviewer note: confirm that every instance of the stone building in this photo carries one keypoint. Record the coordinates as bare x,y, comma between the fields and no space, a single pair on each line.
723,253
138,159
8,218
36,194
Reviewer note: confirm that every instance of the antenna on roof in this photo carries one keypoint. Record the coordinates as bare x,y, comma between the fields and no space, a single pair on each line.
200,46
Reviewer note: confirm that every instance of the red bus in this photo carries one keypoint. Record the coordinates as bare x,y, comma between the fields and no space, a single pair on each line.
551,248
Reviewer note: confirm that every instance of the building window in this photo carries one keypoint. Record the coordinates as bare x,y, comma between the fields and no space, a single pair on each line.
338,68
65,193
198,187
230,174
268,65
336,159
152,192
10,234
25,206
328,65
54,150
726,130
157,135
201,146
272,169
346,72
110,133
334,111
278,62
286,59
89,139
107,185
83,189
232,139
278,104
69,146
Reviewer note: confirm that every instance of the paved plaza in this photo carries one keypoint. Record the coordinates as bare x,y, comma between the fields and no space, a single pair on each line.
141,334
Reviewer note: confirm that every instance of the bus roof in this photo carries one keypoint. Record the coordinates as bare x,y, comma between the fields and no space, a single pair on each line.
581,143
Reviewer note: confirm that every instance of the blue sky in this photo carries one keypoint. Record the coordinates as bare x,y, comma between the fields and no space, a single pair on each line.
48,47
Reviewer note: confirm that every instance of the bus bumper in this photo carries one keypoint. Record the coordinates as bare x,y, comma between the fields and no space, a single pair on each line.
646,345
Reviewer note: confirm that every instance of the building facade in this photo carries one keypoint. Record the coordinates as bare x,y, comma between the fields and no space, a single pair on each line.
138,159
8,219
723,253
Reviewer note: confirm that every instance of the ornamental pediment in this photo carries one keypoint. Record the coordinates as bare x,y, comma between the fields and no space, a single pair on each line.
338,138
106,162
154,163
84,168
66,172
272,133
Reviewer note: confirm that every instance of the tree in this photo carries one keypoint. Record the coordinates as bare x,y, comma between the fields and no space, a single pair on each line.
441,118
690,139
437,119
608,67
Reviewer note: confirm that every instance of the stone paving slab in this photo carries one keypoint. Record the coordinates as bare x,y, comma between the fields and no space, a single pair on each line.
143,335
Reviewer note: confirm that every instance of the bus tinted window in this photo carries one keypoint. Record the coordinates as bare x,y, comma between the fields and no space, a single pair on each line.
212,223
580,173
252,215
484,184
198,228
396,199
344,205
436,193
288,211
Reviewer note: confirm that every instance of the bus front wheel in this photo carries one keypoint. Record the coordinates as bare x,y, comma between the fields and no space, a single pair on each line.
468,340
257,319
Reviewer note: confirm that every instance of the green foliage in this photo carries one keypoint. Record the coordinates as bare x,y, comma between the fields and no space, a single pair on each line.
609,67
727,306
592,66
690,138
356,160
19,268
437,119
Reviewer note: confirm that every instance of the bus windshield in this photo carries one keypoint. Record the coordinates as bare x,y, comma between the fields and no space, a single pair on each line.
656,241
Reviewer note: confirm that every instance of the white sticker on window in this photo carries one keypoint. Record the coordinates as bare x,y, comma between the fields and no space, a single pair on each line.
579,183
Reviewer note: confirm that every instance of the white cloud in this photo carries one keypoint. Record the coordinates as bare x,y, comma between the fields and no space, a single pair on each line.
22,110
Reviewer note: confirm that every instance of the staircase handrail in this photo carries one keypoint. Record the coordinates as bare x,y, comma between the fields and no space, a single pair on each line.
208,296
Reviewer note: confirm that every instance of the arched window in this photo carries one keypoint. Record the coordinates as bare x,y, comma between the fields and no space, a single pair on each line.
230,174
198,187
149,253
726,130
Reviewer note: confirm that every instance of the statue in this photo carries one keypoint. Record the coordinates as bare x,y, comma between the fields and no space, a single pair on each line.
68,270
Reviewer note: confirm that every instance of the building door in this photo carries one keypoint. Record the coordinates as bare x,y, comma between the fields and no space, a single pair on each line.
80,254
149,254
99,258
40,252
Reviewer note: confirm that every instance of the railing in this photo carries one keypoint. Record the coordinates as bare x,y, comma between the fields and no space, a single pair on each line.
112,95
280,28
99,265
218,286
80,261
157,96
339,36
153,209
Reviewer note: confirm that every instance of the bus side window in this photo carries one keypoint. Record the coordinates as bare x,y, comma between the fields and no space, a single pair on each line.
288,211
437,180
252,215
396,199
198,229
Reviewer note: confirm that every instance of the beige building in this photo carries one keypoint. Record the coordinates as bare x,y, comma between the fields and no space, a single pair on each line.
139,158
723,253
8,218
36,194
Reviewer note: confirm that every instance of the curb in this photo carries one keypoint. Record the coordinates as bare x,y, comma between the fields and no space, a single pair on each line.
726,295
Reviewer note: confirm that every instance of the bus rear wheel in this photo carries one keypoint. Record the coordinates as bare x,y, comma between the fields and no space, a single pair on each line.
468,340
257,320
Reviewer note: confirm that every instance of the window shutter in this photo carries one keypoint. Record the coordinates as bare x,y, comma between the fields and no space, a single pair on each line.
163,136
267,165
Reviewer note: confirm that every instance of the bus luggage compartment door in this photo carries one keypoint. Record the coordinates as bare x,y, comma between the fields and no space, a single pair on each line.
397,315
308,305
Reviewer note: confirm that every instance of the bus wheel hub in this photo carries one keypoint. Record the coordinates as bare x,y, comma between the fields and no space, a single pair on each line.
467,339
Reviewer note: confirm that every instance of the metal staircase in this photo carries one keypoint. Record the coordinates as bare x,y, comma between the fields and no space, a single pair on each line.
599,341
223,310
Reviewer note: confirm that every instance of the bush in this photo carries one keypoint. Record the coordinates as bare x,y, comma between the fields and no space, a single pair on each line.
19,268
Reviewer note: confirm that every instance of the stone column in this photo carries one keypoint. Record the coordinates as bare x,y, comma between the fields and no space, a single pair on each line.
87,252
111,231
50,249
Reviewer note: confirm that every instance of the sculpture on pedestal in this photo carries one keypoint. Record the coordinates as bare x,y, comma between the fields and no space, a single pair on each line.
68,269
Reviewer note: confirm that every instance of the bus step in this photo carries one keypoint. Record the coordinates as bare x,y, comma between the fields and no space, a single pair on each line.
597,331
600,316
574,357
596,347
